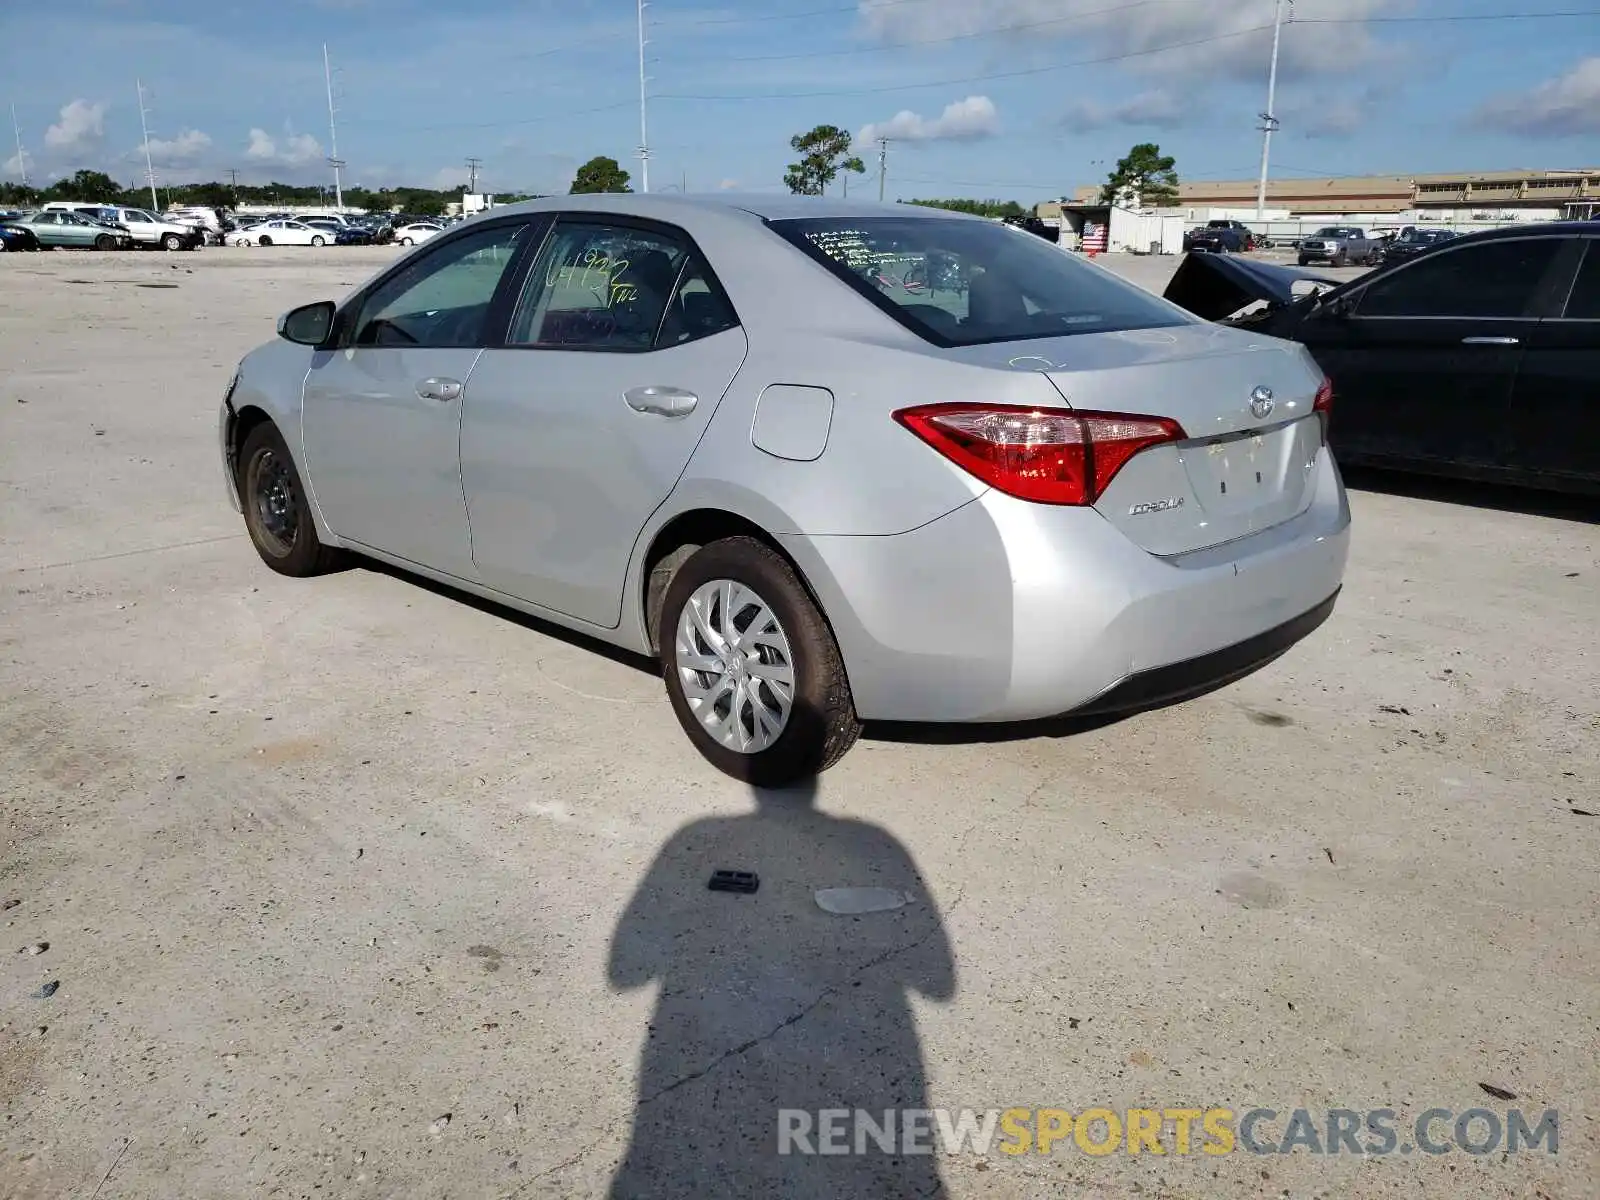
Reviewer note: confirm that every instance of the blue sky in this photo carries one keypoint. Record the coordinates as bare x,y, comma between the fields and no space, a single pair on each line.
1011,98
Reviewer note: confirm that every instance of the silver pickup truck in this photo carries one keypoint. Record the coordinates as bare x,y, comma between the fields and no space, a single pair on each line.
1340,245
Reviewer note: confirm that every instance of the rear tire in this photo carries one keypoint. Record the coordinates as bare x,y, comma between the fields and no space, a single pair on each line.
407,242
796,644
276,511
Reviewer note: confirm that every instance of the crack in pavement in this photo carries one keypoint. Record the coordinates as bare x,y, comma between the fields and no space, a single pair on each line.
803,1013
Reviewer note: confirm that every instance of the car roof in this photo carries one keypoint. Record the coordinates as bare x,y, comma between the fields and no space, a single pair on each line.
1544,228
770,206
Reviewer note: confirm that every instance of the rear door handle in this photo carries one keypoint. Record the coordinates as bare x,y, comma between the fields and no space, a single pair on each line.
439,389
1490,341
663,401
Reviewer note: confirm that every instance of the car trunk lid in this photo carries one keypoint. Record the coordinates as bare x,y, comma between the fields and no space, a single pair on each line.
1246,404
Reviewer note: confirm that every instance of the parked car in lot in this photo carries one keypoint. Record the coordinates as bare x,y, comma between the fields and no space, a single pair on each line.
1341,245
57,228
16,236
353,235
149,231
1479,357
690,428
282,233
1411,241
1217,237
420,231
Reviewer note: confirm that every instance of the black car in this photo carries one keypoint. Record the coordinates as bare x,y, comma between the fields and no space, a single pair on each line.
1479,357
1413,241
1220,237
353,235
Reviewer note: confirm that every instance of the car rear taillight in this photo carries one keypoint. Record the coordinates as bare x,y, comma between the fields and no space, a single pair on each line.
1050,456
1323,405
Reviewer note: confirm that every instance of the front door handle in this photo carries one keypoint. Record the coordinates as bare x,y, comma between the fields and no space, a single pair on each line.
1490,341
663,401
439,389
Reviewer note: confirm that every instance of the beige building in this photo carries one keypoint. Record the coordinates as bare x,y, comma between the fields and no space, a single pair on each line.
1532,194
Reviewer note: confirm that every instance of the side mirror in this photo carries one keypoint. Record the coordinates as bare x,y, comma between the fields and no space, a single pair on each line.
1336,309
308,325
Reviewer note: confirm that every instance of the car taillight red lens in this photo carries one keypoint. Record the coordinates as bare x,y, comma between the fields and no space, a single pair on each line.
1324,401
1050,456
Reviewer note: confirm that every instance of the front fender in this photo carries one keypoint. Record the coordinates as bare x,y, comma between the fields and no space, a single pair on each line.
272,380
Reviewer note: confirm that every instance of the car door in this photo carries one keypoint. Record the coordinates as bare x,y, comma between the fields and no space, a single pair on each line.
1555,409
577,429
1423,359
382,413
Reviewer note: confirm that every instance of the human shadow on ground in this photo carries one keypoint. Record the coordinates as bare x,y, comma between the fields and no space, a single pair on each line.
768,1003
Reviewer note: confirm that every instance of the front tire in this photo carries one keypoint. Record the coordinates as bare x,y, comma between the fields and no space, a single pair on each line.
105,242
276,511
751,666
263,241
172,242
317,241
407,242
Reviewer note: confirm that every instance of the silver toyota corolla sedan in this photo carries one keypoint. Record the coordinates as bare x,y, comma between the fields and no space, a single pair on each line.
830,462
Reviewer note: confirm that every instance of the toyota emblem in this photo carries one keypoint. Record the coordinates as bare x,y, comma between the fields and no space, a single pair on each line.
1261,401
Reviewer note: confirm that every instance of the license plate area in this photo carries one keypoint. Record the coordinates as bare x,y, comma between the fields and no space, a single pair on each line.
1238,474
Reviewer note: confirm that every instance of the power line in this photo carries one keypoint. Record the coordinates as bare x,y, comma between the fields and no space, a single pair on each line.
1511,16
936,83
942,41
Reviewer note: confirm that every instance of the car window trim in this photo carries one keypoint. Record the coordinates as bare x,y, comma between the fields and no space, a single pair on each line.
619,220
1538,301
1589,247
345,318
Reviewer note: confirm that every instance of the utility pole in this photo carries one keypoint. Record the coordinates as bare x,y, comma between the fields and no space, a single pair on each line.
22,161
883,165
644,133
144,125
233,179
1269,122
472,175
334,160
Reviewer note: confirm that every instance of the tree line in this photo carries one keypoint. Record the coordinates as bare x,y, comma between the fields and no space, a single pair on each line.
96,187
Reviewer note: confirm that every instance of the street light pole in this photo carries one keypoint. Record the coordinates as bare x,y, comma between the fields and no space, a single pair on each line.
1269,122
644,133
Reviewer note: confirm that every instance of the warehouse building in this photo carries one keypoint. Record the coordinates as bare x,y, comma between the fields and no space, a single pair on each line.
1491,196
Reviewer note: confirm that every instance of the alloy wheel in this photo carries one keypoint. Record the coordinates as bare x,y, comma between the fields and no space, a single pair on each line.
736,666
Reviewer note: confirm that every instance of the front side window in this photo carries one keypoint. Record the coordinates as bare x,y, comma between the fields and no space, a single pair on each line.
598,287
959,282
136,217
1491,279
443,298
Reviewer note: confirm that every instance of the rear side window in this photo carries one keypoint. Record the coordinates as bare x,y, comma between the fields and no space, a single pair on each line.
1584,303
1491,279
959,282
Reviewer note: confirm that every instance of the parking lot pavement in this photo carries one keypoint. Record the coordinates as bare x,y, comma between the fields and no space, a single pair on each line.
353,888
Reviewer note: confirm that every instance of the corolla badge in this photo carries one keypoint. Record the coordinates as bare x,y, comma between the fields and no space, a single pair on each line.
1261,401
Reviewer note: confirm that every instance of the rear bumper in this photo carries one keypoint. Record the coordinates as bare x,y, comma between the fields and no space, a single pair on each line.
1196,676
1007,611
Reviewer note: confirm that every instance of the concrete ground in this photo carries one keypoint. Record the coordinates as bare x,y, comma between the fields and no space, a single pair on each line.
353,888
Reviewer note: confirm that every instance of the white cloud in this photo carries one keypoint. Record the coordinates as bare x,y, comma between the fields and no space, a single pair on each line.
82,127
963,121
291,150
452,178
728,185
181,150
18,165
1157,107
1564,107
1193,39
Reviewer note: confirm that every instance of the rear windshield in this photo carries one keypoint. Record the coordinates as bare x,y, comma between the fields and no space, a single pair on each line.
962,282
